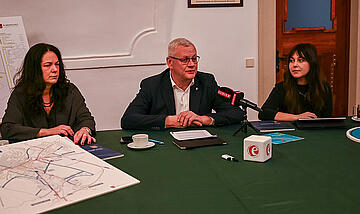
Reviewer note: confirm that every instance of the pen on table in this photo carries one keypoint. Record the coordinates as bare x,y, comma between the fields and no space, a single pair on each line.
228,157
156,141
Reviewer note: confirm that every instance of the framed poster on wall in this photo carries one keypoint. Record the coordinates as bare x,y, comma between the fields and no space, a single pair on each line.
215,3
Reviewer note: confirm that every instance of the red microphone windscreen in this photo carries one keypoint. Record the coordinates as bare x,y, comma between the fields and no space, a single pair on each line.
226,92
230,95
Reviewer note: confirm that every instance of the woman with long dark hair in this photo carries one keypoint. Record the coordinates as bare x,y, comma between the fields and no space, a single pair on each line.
44,102
303,94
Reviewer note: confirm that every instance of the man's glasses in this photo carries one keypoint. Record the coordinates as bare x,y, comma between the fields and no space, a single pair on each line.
186,60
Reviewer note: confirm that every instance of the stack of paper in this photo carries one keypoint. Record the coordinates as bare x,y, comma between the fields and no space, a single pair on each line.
192,134
195,138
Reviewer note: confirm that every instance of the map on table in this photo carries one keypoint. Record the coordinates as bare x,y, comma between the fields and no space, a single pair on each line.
47,173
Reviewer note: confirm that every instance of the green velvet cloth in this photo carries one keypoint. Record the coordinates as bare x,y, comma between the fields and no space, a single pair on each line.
319,174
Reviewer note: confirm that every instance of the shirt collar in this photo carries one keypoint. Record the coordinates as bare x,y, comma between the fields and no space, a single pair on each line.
173,84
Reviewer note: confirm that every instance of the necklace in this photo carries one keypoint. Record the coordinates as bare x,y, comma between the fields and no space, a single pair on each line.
302,94
49,104
46,105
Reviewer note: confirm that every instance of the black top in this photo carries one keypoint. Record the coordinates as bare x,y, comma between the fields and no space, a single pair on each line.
275,102
20,124
155,101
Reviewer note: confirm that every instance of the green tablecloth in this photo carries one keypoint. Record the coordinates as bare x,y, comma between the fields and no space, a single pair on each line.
319,174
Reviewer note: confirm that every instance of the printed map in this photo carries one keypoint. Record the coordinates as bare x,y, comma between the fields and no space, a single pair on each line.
47,173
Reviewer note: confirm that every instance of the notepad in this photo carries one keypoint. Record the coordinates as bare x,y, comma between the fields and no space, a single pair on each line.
195,138
271,126
318,123
102,152
188,144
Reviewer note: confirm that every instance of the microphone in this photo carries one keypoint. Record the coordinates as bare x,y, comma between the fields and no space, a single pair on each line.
247,103
230,95
236,98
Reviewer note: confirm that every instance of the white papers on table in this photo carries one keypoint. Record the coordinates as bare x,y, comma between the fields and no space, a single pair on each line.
191,134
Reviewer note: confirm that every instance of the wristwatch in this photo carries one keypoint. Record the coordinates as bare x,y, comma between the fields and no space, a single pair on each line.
212,121
87,129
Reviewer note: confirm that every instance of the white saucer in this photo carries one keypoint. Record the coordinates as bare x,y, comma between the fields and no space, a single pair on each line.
353,134
143,146
355,118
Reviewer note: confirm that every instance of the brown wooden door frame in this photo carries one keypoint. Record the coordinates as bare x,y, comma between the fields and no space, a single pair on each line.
341,77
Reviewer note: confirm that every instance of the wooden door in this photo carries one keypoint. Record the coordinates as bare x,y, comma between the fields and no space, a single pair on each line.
332,45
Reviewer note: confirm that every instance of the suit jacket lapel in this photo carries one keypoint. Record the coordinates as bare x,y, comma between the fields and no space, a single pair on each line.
168,93
195,94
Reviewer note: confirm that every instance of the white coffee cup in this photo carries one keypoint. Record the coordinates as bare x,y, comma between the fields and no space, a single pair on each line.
3,142
140,139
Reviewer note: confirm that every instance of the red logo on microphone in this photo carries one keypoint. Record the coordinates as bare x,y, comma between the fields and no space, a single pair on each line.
268,150
224,94
233,100
253,151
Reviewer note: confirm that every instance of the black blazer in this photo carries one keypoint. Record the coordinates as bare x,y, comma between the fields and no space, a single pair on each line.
276,103
155,101
20,124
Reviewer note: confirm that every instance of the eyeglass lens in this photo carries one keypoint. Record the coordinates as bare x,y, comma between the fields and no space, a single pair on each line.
195,60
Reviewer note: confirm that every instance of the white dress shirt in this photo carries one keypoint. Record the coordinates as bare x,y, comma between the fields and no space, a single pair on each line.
181,97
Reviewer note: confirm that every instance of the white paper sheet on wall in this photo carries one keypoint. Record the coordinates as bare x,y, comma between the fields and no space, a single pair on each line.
13,47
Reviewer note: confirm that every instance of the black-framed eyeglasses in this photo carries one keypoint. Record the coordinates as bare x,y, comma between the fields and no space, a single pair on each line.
186,60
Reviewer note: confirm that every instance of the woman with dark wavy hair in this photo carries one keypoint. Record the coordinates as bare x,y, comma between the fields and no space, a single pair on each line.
303,94
44,102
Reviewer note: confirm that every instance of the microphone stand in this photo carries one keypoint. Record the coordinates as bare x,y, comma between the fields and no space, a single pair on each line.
245,123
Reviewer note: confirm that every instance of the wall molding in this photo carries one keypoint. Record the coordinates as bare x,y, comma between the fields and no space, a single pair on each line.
97,34
121,59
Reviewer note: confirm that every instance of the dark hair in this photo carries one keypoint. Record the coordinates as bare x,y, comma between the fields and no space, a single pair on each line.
317,86
29,79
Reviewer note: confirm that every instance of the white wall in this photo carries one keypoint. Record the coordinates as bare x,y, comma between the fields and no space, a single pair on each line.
108,91
132,41
224,38
266,48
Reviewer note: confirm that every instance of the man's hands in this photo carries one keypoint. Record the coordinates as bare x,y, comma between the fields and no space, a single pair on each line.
81,136
185,119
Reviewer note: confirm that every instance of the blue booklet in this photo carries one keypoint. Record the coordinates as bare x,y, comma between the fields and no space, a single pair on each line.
102,152
278,138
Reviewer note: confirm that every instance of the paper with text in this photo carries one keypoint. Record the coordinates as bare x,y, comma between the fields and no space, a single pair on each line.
13,47
191,134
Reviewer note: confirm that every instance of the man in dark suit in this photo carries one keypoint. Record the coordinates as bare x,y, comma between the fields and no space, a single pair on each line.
180,96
